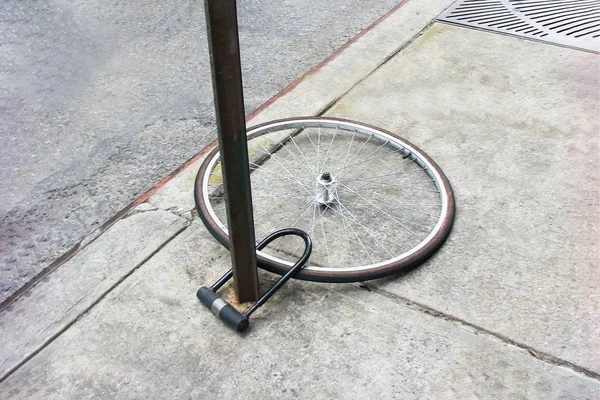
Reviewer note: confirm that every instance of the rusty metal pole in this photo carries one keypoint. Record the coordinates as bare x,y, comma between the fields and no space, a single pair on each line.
223,42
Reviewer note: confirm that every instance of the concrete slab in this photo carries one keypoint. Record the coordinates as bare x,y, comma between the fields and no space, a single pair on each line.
151,338
315,91
515,126
177,195
55,303
521,264
102,100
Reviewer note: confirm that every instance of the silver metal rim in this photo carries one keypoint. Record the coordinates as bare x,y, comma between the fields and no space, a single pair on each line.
347,126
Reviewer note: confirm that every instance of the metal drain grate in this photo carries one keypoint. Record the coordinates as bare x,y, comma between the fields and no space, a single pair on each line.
572,23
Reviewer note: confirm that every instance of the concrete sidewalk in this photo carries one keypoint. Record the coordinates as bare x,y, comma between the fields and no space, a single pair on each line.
508,308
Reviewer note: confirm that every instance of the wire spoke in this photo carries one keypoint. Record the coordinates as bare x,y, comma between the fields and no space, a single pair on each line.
318,147
275,243
220,199
356,236
310,139
386,199
382,238
270,210
270,171
399,206
273,155
348,151
325,241
304,206
350,252
320,171
286,170
399,223
368,158
395,171
312,227
355,154
356,221
277,179
395,216
302,155
370,182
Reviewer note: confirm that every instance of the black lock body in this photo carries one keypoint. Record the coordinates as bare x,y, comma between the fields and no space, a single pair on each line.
229,314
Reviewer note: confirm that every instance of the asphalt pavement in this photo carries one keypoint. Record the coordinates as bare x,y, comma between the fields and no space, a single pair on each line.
507,308
100,100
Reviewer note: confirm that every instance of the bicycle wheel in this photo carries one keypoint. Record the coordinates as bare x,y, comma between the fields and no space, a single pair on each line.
373,203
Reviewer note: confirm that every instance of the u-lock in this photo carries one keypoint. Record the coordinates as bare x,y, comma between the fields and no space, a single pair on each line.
240,320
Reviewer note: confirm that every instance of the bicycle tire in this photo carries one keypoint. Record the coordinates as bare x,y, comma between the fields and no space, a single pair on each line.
408,261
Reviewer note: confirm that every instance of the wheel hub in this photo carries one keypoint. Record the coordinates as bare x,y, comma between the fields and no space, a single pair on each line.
326,193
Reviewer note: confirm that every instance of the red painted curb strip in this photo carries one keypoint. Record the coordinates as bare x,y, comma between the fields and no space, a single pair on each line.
326,61
141,199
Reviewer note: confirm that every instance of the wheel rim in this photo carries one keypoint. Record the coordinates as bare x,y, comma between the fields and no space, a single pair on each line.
338,184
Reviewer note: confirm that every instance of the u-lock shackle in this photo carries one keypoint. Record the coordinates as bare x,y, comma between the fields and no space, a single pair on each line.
240,320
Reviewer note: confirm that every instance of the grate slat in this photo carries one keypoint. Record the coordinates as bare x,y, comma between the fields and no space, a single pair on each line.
572,23
561,18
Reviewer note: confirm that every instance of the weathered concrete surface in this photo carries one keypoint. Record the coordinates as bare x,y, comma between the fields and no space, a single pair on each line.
178,194
515,126
100,100
55,303
318,90
151,338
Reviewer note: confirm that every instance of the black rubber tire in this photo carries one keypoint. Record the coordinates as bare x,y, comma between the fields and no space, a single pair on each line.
396,267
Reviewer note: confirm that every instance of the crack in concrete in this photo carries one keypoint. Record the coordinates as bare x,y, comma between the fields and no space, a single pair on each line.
95,302
333,102
193,213
204,121
540,355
